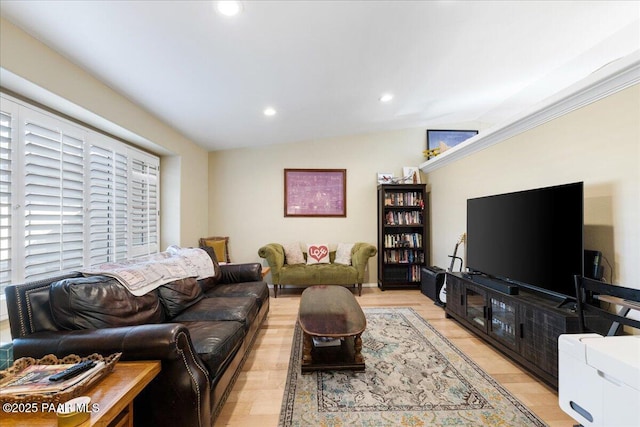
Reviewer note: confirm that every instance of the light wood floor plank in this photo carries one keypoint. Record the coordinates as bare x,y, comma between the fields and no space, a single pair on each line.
257,395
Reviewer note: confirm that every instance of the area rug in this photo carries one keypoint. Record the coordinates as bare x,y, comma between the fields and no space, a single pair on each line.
414,377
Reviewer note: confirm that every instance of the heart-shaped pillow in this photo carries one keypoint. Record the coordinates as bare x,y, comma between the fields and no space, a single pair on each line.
318,253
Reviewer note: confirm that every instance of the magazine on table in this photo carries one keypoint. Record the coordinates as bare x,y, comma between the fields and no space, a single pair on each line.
326,342
34,379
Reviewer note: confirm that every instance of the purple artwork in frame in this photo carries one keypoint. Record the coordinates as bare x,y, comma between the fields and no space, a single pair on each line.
315,192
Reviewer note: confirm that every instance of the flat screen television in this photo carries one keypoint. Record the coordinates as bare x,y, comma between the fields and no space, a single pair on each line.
531,238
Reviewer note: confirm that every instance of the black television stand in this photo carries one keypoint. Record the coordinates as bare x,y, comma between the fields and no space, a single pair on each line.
495,284
524,327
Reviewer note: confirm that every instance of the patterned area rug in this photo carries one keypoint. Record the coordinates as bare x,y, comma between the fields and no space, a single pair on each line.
414,377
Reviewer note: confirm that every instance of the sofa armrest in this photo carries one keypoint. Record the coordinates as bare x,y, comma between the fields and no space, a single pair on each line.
238,273
182,388
360,255
142,342
274,254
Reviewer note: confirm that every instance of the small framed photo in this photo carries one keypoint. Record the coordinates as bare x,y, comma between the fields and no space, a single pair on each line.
385,178
439,141
315,192
411,175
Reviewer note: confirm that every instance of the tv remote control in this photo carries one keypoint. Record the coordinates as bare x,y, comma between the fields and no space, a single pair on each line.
73,371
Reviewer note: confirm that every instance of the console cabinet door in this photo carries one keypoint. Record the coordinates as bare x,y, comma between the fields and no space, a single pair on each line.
455,295
539,332
503,319
475,299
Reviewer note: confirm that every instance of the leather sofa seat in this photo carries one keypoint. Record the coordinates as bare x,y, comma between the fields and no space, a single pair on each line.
254,289
238,309
215,342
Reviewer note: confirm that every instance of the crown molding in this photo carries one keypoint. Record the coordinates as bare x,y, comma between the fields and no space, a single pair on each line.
608,80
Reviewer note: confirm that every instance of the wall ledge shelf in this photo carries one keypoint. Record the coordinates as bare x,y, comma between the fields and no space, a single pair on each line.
604,82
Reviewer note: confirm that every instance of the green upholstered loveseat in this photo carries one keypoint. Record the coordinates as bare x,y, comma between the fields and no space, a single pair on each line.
317,274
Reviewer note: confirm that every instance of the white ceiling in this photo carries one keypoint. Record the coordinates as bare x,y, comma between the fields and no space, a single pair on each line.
323,64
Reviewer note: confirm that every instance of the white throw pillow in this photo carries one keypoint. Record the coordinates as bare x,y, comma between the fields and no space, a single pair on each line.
318,253
343,253
293,253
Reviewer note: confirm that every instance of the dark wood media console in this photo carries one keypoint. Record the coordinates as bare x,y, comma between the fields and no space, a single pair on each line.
525,326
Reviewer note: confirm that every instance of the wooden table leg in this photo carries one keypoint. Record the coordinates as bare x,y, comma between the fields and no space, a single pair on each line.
358,349
306,349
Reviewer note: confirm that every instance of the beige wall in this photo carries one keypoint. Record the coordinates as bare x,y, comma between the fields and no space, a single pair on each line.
246,199
183,211
598,144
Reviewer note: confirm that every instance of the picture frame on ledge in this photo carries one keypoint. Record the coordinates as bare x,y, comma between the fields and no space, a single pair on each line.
315,192
439,140
385,178
411,175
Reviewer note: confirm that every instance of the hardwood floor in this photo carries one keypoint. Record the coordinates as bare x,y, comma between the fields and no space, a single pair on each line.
257,395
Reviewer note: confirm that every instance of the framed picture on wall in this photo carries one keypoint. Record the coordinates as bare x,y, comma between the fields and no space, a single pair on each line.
442,140
315,192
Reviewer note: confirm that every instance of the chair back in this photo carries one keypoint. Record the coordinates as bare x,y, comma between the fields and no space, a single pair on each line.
220,245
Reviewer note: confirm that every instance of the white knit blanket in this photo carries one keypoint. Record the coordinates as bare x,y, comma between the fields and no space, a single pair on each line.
144,274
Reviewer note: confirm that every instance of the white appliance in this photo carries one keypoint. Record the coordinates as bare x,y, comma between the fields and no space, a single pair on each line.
599,379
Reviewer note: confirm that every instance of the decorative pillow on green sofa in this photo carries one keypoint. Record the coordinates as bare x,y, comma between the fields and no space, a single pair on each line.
343,253
318,253
293,253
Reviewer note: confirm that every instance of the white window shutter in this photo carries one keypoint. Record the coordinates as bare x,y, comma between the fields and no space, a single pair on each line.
53,198
70,197
107,205
6,202
144,198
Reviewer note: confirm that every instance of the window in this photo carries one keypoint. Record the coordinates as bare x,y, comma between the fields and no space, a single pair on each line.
70,197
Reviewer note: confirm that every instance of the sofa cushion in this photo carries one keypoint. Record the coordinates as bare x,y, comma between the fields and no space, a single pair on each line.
318,253
343,253
239,309
179,295
318,274
257,290
215,342
293,253
220,248
97,302
210,282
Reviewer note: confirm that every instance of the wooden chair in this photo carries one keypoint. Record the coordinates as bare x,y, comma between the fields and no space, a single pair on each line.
220,245
591,293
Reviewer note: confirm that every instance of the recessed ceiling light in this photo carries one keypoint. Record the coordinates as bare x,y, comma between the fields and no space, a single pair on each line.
386,97
229,8
269,111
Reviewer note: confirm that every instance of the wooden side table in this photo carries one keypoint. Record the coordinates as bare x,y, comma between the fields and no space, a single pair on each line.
265,271
113,395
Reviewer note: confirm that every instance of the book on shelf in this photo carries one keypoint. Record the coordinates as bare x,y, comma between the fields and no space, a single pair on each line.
34,379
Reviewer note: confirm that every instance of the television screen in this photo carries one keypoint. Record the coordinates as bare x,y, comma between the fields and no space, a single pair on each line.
532,238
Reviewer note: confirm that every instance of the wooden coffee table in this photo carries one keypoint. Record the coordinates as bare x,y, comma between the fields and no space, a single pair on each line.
113,395
326,313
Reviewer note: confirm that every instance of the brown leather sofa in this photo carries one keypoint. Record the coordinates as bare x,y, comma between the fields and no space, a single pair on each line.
201,331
